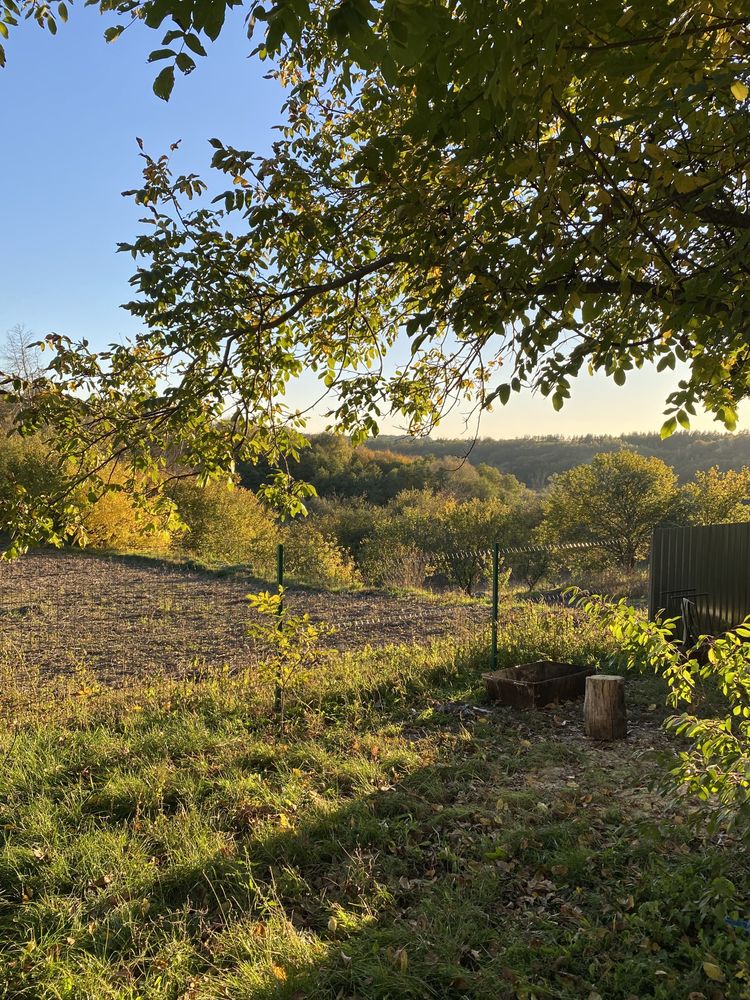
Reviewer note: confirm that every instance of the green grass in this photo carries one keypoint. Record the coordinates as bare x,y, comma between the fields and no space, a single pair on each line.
168,842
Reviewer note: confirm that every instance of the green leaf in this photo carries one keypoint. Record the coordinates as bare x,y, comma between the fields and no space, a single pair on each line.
184,63
668,428
274,35
213,18
713,971
113,33
591,308
164,83
194,44
158,54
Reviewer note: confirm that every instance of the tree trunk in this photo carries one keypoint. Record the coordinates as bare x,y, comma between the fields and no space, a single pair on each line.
604,708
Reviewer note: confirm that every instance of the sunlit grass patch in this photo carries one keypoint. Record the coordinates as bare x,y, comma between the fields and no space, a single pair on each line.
170,841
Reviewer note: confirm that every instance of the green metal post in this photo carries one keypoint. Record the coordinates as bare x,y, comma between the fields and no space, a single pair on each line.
278,698
495,596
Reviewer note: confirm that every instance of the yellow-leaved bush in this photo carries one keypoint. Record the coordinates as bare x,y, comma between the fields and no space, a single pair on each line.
225,523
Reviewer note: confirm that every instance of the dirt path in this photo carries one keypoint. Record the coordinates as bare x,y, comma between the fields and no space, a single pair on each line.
125,616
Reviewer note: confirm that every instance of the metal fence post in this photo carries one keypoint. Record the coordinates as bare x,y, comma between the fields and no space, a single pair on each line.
495,589
278,697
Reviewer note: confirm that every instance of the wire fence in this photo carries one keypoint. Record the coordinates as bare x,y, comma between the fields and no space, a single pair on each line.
517,550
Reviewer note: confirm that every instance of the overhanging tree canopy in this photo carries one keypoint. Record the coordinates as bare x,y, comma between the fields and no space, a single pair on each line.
524,190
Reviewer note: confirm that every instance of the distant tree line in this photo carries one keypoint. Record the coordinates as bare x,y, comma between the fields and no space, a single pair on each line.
534,460
337,468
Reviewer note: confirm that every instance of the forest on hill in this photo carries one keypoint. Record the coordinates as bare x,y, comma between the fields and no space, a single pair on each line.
381,518
534,460
385,466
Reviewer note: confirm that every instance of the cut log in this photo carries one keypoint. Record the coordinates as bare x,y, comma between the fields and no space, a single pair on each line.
604,708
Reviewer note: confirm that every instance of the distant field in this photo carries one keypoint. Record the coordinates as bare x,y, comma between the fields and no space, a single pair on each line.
125,616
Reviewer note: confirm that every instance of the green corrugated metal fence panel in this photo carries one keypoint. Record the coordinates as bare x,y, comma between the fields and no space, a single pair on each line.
711,562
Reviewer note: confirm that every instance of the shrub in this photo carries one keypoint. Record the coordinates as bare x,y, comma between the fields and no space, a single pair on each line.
715,713
30,476
226,523
350,522
314,558
113,522
531,567
394,565
28,462
453,537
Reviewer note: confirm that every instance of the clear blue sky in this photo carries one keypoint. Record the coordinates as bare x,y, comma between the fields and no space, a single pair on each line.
72,108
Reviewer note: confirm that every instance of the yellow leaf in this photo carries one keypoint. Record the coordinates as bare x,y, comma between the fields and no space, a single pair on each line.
714,972
278,972
740,90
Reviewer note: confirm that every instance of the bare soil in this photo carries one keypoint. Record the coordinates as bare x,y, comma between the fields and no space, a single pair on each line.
125,616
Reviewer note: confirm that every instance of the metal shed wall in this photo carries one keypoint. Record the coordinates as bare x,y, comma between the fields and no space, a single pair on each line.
713,561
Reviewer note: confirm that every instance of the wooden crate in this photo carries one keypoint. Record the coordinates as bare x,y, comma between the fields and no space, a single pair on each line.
533,685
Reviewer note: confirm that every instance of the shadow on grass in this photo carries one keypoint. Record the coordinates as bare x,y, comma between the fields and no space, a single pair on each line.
456,859
455,882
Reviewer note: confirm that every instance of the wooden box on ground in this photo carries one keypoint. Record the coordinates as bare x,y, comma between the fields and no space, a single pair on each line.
533,685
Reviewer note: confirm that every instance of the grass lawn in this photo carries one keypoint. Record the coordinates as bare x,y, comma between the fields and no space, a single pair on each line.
167,841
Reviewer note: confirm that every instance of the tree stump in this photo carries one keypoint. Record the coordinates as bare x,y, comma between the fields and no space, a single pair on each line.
604,708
